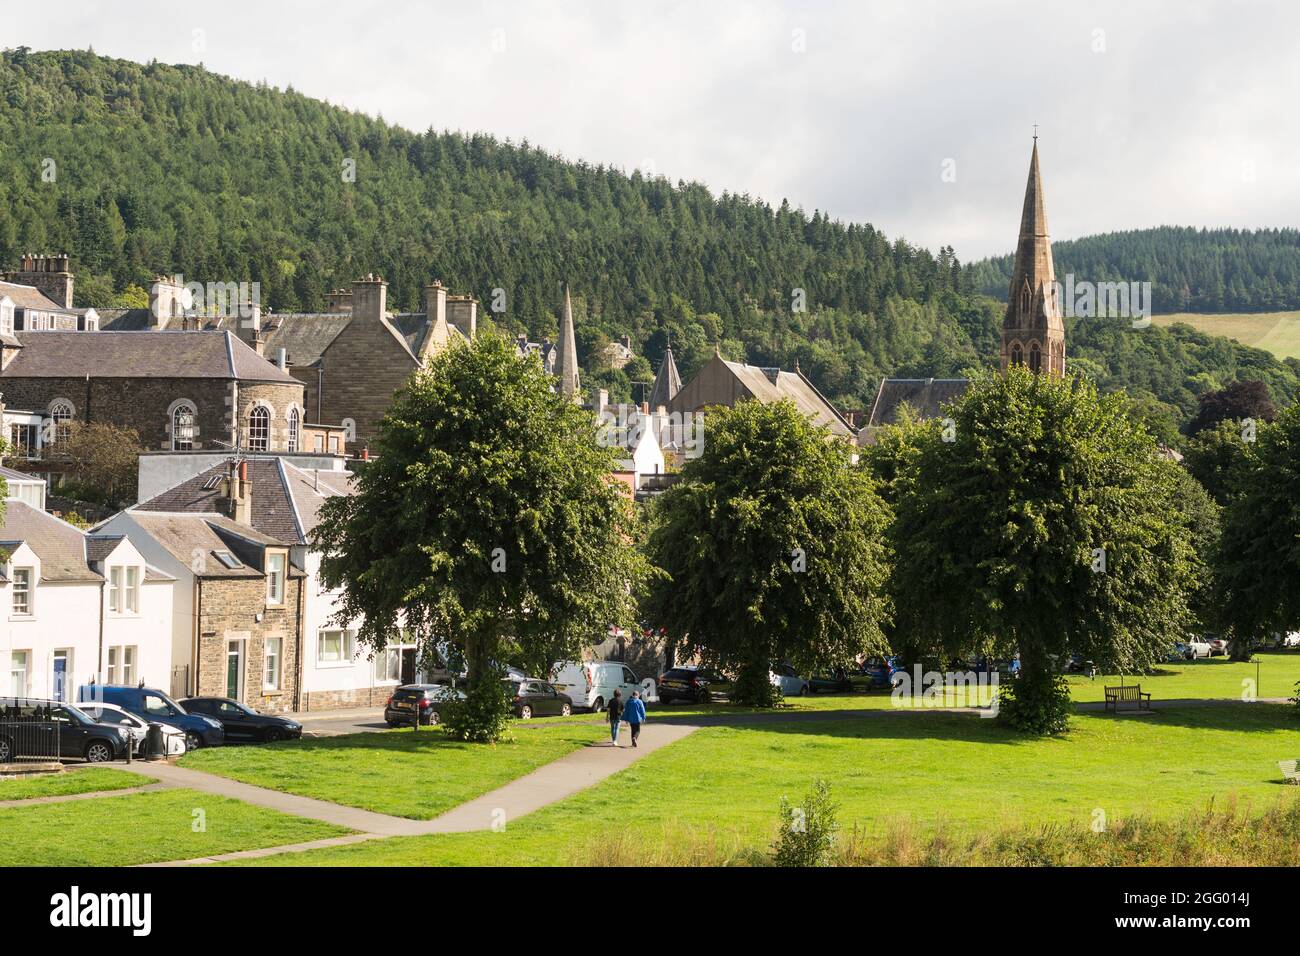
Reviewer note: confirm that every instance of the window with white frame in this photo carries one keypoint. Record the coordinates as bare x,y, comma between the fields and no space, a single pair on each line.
271,680
22,590
259,429
18,671
132,590
275,579
335,646
388,664
183,416
293,429
60,421
121,664
115,590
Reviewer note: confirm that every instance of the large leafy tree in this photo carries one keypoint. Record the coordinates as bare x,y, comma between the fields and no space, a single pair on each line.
1045,523
489,520
1259,566
773,546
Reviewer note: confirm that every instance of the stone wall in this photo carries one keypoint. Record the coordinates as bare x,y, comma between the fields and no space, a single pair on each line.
146,404
361,371
228,611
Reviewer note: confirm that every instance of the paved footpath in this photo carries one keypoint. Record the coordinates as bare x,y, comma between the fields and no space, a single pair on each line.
555,781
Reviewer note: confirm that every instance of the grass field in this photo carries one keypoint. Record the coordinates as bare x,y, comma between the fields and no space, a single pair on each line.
399,772
1276,332
719,789
145,828
1214,678
90,780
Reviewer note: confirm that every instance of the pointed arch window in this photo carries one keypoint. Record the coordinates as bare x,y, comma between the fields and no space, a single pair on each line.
1024,299
60,420
183,427
1017,356
1035,358
293,429
259,429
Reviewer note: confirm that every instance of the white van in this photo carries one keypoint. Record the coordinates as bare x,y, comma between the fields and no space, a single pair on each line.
591,684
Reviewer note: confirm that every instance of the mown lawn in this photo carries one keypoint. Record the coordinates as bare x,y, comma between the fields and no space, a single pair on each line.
90,780
960,773
398,772
1213,678
145,828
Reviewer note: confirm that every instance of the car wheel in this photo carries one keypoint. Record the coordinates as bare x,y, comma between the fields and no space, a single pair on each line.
192,740
97,751
599,705
6,750
433,719
804,690
272,735
565,710
525,712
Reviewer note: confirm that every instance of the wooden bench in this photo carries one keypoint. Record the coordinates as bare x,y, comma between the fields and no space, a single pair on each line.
1127,694
1290,770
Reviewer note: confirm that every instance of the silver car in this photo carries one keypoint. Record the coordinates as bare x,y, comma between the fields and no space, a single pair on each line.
135,727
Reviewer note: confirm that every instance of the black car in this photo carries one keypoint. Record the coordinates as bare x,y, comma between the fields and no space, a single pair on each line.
57,731
836,682
427,700
537,698
242,722
691,684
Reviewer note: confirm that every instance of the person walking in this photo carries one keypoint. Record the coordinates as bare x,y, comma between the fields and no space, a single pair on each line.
634,714
615,715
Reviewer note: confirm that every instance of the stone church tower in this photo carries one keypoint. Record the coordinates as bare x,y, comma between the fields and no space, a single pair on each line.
1033,332
566,366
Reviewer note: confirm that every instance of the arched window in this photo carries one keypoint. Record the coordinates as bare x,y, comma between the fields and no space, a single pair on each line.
259,429
60,420
183,427
1035,358
1017,356
1024,298
293,429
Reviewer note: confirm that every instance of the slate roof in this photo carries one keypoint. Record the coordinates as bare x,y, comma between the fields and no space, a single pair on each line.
184,536
60,546
29,297
286,499
926,396
773,385
115,354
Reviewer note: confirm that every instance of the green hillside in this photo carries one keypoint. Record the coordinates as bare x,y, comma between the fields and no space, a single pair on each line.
143,169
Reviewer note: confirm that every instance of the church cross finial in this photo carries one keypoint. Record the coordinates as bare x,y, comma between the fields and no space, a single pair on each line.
1035,132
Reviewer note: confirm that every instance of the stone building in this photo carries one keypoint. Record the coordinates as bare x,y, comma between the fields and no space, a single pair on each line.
178,390
1033,332
238,605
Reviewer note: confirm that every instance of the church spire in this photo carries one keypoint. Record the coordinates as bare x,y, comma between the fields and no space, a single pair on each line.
1033,332
667,381
566,365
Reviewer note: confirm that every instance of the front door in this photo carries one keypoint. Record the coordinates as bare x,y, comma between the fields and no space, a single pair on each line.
60,675
235,669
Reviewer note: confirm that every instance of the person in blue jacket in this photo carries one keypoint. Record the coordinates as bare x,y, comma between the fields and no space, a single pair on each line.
634,714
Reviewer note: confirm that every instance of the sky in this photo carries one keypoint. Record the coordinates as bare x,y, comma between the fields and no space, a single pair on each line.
914,116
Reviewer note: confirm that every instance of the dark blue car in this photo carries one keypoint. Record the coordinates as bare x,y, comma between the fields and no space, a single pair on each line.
880,672
151,704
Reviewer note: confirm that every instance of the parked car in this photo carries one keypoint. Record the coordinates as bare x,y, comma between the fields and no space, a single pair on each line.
836,682
56,731
1179,652
881,673
693,685
1292,639
590,684
427,700
1218,646
200,730
242,722
1197,647
537,698
137,728
785,679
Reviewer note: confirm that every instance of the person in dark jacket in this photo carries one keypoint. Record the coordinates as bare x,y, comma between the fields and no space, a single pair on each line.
615,715
634,714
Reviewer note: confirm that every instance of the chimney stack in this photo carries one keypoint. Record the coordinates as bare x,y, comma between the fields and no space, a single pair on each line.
370,298
49,274
238,504
462,312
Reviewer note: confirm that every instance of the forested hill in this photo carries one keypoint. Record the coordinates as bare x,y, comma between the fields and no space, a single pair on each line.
176,169
139,169
1190,270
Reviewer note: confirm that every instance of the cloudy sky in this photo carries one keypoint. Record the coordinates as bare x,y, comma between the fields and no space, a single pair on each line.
915,116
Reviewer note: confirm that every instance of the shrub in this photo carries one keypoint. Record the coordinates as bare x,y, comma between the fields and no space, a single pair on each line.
1037,706
482,716
807,834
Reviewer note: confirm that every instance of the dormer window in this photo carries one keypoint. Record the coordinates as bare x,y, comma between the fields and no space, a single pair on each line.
275,579
124,590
